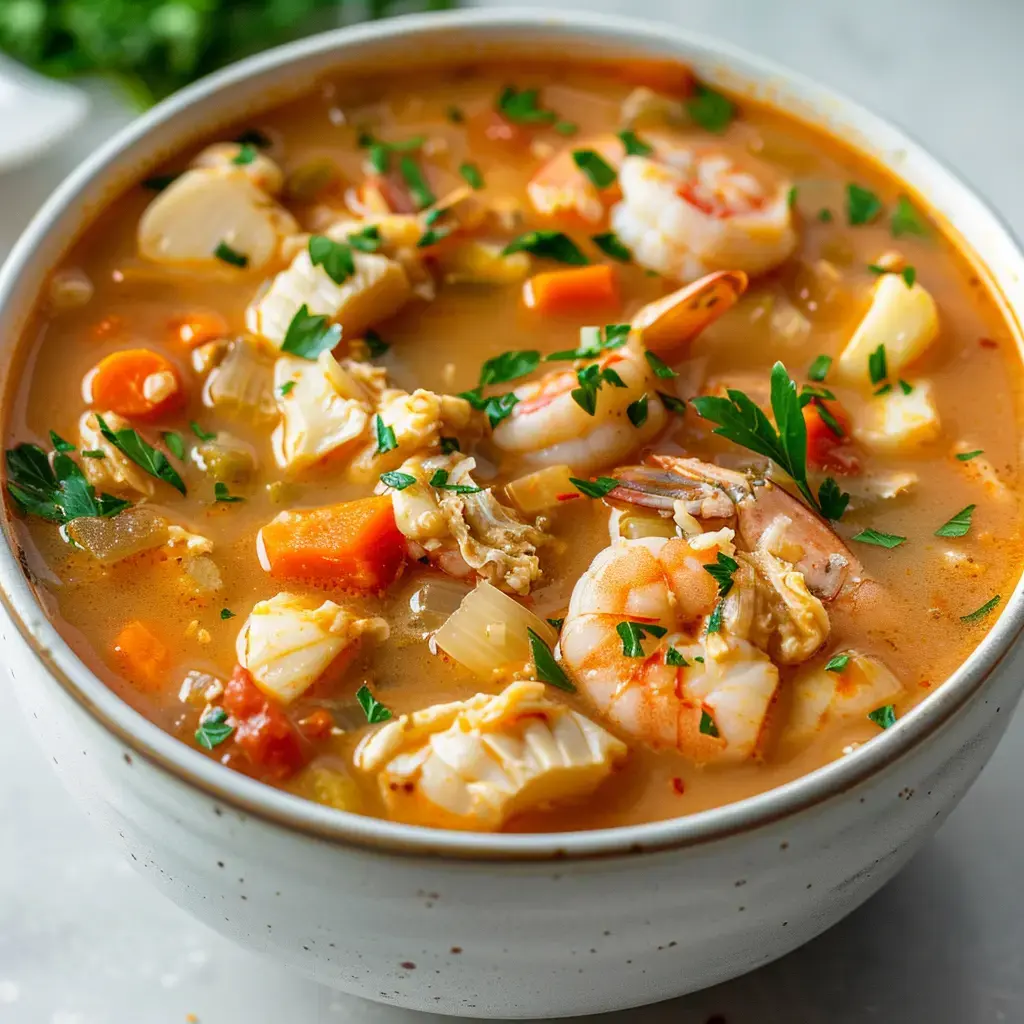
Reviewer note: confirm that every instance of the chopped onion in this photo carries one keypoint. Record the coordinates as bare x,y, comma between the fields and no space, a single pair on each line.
488,632
633,525
243,383
431,603
121,536
545,489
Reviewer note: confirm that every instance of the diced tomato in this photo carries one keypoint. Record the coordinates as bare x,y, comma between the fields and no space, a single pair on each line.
829,445
262,729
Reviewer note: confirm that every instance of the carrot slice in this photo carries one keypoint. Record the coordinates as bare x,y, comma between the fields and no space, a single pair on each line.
143,655
827,448
136,383
262,728
562,291
355,544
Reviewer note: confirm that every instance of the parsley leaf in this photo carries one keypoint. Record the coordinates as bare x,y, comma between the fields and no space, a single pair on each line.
440,481
471,175
958,525
879,539
906,220
979,613
832,500
521,106
175,443
308,335
591,379
825,215
710,109
721,571
203,435
497,407
223,495
226,613
637,411
366,239
555,623
878,365
373,709
509,366
399,481
673,657
286,388
611,245
213,728
59,444
334,257
862,205
597,170
419,190
659,366
672,402
226,254
566,127
707,725
884,717
385,435
715,619
635,146
548,670
595,488
134,447
552,245
819,368
245,155
967,456
593,341
632,634
837,663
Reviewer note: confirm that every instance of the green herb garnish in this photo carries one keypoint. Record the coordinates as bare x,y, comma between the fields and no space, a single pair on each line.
385,435
555,623
906,220
884,717
611,245
715,619
591,379
819,368
335,258
879,539
632,634
862,205
375,344
979,613
226,254
245,155
637,411
673,657
598,488
710,109
226,613
440,481
59,444
308,335
593,341
134,447
223,495
552,245
373,709
596,169
203,435
449,445
958,525
548,670
398,481
707,725
286,388
419,190
635,146
213,728
672,402
509,366
566,127
659,366
471,174
967,456
837,663
878,365
721,571
175,443
522,107
825,215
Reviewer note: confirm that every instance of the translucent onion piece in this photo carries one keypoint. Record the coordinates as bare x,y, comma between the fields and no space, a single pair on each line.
434,601
545,489
121,536
634,525
242,385
488,632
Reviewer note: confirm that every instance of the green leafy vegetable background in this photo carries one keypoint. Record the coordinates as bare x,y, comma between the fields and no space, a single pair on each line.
152,47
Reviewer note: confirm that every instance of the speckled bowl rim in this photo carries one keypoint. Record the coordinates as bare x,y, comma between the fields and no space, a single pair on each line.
714,61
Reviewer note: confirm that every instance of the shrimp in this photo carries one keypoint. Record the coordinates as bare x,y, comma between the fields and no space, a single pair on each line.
548,426
639,640
687,208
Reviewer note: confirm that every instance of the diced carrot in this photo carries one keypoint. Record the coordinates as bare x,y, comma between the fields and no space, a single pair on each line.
262,729
143,655
355,544
136,383
562,291
198,327
827,448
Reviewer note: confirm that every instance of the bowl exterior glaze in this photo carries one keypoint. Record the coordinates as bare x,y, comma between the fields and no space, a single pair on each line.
505,926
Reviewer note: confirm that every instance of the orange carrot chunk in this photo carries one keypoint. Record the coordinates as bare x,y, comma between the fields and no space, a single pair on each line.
564,291
143,655
355,544
135,383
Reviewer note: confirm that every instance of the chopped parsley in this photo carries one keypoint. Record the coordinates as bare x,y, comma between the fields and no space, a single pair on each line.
611,245
214,728
59,493
707,725
672,402
223,495
440,481
878,365
379,152
548,670
552,245
632,634
174,442
909,274
596,169
673,657
906,387
226,254
906,220
308,335
203,435
94,453
979,613
958,525
522,107
791,196
637,411
509,366
471,175
399,481
591,379
373,709
825,215
286,388
226,613
721,571
862,205
837,663
59,444
879,539
375,344
659,366
715,619
366,239
385,435
555,623
134,447
254,137
593,341
634,145
432,236
884,717
710,109
496,408
967,456
742,421
335,258
598,488
419,190
819,368
245,155
449,445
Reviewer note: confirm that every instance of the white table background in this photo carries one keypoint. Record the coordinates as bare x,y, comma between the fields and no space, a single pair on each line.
85,941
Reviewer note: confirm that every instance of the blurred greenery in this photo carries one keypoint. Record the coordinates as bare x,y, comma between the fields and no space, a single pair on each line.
153,47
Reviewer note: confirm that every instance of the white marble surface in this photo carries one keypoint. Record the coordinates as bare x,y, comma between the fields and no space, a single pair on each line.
85,941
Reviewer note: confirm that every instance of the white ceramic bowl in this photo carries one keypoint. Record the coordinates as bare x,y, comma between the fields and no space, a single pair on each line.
499,925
